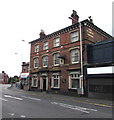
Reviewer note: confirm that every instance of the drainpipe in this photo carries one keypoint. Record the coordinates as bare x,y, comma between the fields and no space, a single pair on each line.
81,60
81,57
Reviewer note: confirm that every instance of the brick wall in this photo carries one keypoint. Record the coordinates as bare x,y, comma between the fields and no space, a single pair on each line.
89,35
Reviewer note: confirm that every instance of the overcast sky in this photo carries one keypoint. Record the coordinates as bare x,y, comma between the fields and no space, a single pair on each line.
24,19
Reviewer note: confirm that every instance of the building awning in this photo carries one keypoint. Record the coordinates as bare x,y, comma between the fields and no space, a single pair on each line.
24,75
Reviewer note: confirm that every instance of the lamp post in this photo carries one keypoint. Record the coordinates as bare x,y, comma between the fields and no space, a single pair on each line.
81,57
28,67
29,60
21,57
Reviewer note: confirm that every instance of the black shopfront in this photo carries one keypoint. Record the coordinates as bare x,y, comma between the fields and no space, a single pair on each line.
99,72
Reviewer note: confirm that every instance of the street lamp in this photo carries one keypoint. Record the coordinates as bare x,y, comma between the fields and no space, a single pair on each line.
21,56
28,68
20,68
29,57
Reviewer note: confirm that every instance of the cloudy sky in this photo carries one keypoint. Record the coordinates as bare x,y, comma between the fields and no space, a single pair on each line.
24,19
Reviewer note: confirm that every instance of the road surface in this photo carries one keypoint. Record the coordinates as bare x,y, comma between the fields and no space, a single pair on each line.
17,103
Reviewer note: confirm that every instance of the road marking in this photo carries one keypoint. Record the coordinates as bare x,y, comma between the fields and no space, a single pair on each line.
31,98
12,114
103,105
3,99
82,109
22,116
17,98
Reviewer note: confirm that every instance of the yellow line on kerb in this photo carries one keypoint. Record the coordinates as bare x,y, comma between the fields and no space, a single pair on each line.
103,105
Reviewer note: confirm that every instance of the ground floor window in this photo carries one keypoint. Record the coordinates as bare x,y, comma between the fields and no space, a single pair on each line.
25,81
34,81
74,80
55,80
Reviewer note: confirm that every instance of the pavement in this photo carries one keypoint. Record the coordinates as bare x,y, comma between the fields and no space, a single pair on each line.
85,100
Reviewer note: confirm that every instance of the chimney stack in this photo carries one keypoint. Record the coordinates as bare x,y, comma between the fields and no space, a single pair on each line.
42,34
23,63
74,17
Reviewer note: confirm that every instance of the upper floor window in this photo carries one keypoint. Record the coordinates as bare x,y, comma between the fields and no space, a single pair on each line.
45,61
45,46
56,42
23,69
56,59
75,56
74,36
36,48
36,62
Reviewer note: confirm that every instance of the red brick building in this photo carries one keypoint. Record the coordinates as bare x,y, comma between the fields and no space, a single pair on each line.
55,59
4,78
25,75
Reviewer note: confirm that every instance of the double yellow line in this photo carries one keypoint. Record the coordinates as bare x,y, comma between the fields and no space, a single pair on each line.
102,105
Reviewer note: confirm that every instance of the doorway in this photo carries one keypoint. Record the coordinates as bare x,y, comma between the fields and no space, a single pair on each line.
44,83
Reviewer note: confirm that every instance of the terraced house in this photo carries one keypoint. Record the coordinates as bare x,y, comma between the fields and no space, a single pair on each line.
57,59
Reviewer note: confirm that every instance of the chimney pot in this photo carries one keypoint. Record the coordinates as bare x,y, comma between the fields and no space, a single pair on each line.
42,34
23,63
74,17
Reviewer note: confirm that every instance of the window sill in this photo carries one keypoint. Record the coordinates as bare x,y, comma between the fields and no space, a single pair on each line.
56,46
35,68
74,41
45,66
73,88
55,88
34,86
75,62
45,49
56,65
36,52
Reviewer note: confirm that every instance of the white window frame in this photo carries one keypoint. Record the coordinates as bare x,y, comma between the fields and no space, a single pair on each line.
56,60
56,42
75,55
74,36
76,76
34,78
57,77
45,61
45,45
36,48
35,60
